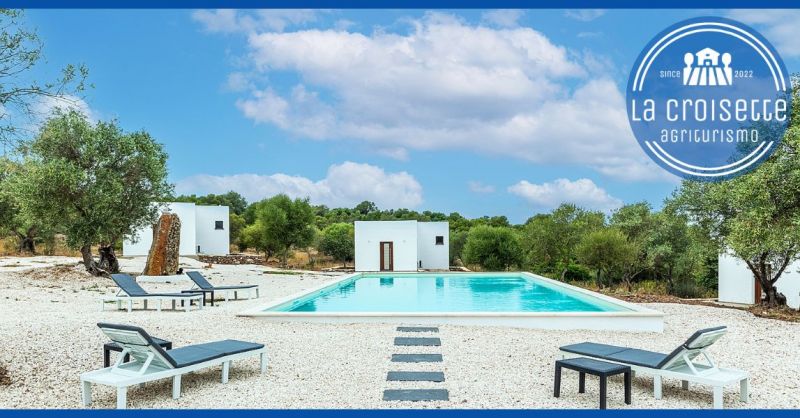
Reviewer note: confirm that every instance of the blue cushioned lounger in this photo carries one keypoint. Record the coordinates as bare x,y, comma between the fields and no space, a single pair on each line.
679,363
150,362
130,291
203,284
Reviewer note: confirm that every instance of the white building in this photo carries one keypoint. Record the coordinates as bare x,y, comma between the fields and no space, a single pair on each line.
204,230
738,285
402,245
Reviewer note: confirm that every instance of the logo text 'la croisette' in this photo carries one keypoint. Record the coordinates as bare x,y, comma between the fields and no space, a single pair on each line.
707,99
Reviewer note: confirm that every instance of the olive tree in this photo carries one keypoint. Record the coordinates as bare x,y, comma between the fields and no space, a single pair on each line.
550,240
93,182
338,241
755,216
282,224
20,52
493,247
608,252
28,232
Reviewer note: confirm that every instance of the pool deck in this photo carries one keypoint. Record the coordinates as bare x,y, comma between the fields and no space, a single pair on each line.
635,319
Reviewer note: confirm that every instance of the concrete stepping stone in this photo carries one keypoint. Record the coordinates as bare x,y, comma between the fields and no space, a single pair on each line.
416,395
415,377
418,341
418,329
417,358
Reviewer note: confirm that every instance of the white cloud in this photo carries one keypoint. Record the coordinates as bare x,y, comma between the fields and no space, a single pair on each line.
582,192
45,106
238,82
345,185
449,85
780,27
478,187
43,109
232,21
395,153
584,15
504,18
344,24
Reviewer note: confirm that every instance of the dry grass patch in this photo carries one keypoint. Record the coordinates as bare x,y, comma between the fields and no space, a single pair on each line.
783,313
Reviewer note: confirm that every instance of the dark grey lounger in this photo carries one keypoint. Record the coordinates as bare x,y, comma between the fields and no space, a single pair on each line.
150,362
679,363
204,285
130,290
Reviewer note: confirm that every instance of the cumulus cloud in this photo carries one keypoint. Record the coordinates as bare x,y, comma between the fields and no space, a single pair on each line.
582,192
345,185
233,21
584,15
505,18
478,187
780,27
447,85
45,106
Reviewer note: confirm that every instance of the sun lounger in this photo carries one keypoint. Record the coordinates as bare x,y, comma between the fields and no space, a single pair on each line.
129,291
204,285
150,362
679,364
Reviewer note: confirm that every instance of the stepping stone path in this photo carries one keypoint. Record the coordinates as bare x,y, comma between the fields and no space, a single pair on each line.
416,358
416,395
416,376
428,342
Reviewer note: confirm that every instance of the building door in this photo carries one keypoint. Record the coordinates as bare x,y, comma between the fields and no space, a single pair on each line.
387,256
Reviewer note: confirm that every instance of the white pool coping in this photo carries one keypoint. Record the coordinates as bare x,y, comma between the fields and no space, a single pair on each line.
636,319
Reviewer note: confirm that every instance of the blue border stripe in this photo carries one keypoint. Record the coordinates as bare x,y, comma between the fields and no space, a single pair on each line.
402,4
401,413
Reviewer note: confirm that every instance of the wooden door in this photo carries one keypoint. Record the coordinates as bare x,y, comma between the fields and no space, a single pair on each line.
387,256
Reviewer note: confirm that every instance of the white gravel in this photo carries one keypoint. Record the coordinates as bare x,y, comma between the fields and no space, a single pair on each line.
49,337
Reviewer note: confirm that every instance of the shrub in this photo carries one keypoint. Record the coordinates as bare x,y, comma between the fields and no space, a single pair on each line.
338,241
688,289
492,247
577,273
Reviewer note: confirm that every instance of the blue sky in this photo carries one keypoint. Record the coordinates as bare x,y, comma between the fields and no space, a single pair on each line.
482,112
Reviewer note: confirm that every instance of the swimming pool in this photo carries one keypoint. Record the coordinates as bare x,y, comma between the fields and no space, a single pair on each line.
513,299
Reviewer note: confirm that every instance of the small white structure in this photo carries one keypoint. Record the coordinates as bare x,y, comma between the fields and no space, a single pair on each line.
402,245
738,285
204,230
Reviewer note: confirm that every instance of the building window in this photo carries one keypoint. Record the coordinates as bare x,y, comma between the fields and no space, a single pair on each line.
218,225
439,240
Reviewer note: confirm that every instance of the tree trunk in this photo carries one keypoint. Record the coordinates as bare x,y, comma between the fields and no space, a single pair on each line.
670,283
26,245
563,274
164,254
108,260
27,241
761,270
597,279
90,263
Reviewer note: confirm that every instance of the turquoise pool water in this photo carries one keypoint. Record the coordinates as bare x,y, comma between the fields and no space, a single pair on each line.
447,293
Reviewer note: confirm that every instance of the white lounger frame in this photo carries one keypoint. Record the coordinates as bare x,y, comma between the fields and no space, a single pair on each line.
155,367
683,367
121,297
226,293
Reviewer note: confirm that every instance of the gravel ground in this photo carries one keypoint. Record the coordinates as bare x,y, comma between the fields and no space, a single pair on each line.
48,317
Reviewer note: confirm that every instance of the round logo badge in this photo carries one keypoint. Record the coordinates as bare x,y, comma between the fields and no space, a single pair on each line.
709,99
